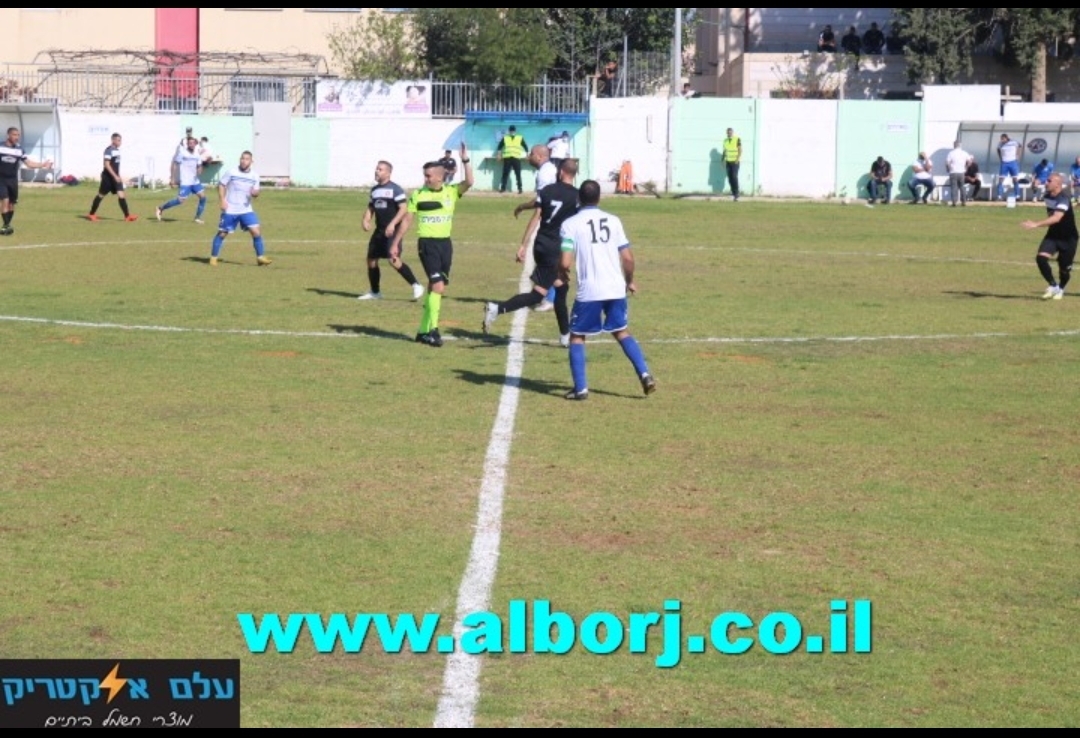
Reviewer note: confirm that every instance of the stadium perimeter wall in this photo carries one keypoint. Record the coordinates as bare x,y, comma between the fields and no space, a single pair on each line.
791,148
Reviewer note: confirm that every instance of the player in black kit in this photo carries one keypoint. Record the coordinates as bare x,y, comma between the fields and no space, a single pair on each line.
12,157
555,203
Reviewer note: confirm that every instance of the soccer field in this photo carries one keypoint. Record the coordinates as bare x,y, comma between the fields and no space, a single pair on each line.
853,404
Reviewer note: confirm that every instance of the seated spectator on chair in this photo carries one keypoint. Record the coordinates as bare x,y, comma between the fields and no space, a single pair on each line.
923,177
972,179
826,40
1040,176
880,178
851,43
873,41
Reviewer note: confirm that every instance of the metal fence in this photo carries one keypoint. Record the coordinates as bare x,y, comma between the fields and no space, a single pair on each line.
233,92
180,92
647,73
452,99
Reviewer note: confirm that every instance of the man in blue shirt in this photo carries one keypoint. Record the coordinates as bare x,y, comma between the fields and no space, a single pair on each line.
1075,183
1040,175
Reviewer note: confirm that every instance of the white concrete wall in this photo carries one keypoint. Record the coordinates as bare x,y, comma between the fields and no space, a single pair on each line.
797,152
1042,112
634,128
145,137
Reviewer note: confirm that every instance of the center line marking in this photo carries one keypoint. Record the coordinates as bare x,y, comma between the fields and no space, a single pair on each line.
461,680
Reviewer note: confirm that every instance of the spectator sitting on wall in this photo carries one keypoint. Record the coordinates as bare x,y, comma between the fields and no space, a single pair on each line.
873,41
851,43
894,44
206,153
826,40
605,79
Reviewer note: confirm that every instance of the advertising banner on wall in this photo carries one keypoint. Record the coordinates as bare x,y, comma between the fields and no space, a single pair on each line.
351,99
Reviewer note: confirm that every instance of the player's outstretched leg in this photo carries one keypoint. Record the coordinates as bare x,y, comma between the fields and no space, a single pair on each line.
493,310
165,206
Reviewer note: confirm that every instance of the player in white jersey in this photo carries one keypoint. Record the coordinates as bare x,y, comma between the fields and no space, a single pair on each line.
236,188
186,168
593,241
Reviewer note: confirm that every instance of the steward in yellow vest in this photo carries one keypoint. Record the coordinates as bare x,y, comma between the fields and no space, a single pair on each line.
732,156
511,151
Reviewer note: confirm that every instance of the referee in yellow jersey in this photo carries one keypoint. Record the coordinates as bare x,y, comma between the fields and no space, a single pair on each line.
432,207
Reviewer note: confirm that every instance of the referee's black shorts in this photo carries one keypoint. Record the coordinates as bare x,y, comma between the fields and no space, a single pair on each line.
436,255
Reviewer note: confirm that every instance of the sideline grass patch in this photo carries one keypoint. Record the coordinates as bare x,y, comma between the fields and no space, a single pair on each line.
852,404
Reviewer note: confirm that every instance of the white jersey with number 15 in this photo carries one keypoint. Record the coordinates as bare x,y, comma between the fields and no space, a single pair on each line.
596,238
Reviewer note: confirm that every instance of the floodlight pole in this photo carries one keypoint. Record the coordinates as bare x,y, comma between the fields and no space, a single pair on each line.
676,56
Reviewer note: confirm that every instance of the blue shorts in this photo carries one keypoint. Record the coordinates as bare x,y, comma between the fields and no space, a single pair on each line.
602,316
188,190
1011,168
228,222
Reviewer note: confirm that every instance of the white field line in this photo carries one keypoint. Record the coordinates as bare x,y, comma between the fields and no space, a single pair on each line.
77,244
517,337
461,680
692,247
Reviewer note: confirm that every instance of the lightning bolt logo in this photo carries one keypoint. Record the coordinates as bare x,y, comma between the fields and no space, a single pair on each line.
113,683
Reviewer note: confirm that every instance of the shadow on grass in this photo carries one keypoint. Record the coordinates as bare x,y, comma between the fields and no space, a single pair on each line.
333,293
996,296
202,259
467,299
538,386
485,340
367,330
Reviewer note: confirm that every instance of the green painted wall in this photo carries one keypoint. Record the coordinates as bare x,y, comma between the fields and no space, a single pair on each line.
698,130
229,135
866,129
310,152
